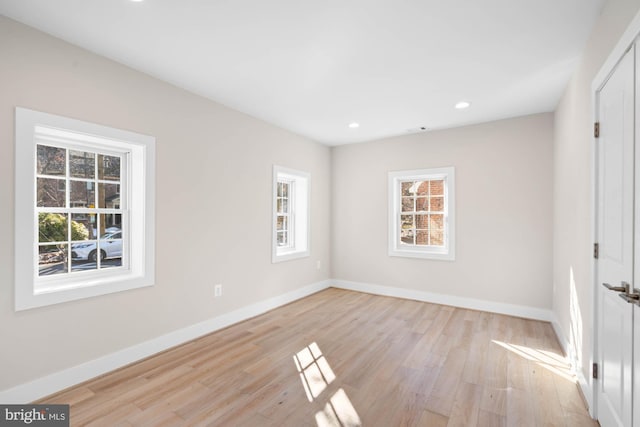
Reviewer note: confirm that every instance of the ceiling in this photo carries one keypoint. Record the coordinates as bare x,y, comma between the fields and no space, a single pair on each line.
393,66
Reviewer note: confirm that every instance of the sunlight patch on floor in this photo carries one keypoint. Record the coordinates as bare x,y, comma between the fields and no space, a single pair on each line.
316,375
553,362
338,412
315,372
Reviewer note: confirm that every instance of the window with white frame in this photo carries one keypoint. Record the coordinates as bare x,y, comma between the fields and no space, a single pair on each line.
421,213
84,209
284,220
290,214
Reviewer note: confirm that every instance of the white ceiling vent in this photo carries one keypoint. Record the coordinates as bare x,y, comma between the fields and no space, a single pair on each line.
419,129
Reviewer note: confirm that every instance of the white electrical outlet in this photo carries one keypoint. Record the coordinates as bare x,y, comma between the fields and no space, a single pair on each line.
217,290
318,264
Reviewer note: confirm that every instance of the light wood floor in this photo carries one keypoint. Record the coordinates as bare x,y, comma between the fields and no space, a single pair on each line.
346,358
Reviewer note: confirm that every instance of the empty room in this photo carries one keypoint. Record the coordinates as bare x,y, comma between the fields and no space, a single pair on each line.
228,213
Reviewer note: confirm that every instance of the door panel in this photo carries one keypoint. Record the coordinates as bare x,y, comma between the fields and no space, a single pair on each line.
615,236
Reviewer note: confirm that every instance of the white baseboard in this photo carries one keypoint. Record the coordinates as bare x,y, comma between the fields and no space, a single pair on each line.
587,391
562,338
41,387
584,384
470,303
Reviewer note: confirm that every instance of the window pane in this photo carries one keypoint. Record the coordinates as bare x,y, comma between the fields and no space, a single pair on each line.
85,251
109,196
82,164
83,227
83,256
51,160
422,221
110,244
407,204
110,226
52,227
283,205
111,251
83,194
407,221
108,168
285,189
282,223
407,236
280,189
437,188
422,204
437,238
422,237
51,193
282,238
52,259
111,262
436,222
437,204
407,188
422,188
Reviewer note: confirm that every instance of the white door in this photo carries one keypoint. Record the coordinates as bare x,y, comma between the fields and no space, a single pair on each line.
636,308
615,151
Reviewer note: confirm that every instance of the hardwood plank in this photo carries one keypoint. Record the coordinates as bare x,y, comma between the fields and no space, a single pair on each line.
489,419
466,406
432,419
520,410
494,400
545,397
442,396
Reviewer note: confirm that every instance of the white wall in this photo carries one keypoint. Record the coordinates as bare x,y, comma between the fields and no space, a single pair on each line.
213,186
504,174
573,204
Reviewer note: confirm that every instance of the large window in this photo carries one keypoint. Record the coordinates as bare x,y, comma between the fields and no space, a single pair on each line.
290,214
84,209
421,208
78,200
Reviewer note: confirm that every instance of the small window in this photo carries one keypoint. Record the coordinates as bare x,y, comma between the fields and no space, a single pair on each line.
421,213
290,214
84,209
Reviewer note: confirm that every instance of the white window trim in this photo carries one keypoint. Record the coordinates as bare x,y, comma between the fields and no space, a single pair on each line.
29,291
425,252
300,213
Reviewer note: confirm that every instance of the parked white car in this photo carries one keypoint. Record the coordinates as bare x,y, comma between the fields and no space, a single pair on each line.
110,247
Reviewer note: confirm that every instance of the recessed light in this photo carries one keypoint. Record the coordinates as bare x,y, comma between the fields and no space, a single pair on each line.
354,125
462,105
137,1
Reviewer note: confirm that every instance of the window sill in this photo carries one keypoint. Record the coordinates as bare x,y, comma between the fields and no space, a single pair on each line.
47,293
423,254
289,255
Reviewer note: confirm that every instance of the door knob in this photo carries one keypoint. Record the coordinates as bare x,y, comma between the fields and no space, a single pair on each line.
625,287
633,298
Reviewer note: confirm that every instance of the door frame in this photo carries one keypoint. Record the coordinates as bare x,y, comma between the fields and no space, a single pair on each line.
628,38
